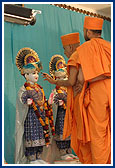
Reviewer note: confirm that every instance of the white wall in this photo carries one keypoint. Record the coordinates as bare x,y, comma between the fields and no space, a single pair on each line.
102,9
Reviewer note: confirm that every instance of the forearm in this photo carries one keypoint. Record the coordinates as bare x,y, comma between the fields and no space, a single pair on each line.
65,83
101,77
77,88
80,77
69,82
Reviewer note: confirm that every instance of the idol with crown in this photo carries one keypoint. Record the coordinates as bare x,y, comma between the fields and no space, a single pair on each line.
33,114
58,99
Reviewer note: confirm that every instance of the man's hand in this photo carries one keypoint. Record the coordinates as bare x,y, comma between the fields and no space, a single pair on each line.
48,78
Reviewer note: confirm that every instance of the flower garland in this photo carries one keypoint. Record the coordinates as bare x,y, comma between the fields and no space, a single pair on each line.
45,126
48,116
49,111
61,90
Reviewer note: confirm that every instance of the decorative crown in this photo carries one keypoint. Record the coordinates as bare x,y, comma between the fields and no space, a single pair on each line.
57,62
27,58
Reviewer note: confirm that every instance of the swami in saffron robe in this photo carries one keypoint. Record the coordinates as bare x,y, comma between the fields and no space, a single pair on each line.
88,115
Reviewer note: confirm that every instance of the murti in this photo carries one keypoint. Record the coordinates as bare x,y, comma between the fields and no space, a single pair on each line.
58,70
28,62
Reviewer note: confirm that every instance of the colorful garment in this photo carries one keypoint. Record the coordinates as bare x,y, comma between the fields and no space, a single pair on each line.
33,130
59,97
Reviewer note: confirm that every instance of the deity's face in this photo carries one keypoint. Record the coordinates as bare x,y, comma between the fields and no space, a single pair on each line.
32,77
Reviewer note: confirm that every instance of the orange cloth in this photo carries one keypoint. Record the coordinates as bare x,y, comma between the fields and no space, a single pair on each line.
93,23
5,162
68,115
71,38
89,124
95,58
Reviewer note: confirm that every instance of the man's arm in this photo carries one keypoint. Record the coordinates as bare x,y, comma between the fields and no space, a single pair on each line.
69,82
98,78
79,82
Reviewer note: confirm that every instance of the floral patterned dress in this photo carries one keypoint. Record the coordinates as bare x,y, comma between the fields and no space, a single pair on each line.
33,130
59,97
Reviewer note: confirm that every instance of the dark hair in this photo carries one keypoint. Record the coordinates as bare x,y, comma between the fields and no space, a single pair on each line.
97,31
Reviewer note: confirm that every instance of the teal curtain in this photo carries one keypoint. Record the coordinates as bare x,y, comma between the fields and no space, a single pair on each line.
44,38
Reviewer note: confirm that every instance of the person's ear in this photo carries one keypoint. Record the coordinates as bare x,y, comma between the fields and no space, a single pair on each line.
89,33
71,47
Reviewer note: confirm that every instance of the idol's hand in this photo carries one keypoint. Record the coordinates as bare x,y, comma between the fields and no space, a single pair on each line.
29,101
48,78
61,102
47,146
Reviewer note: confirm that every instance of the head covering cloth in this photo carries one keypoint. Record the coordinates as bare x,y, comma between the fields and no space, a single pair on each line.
93,23
71,38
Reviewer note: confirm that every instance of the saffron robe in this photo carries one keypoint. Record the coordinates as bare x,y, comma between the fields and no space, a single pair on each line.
88,115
